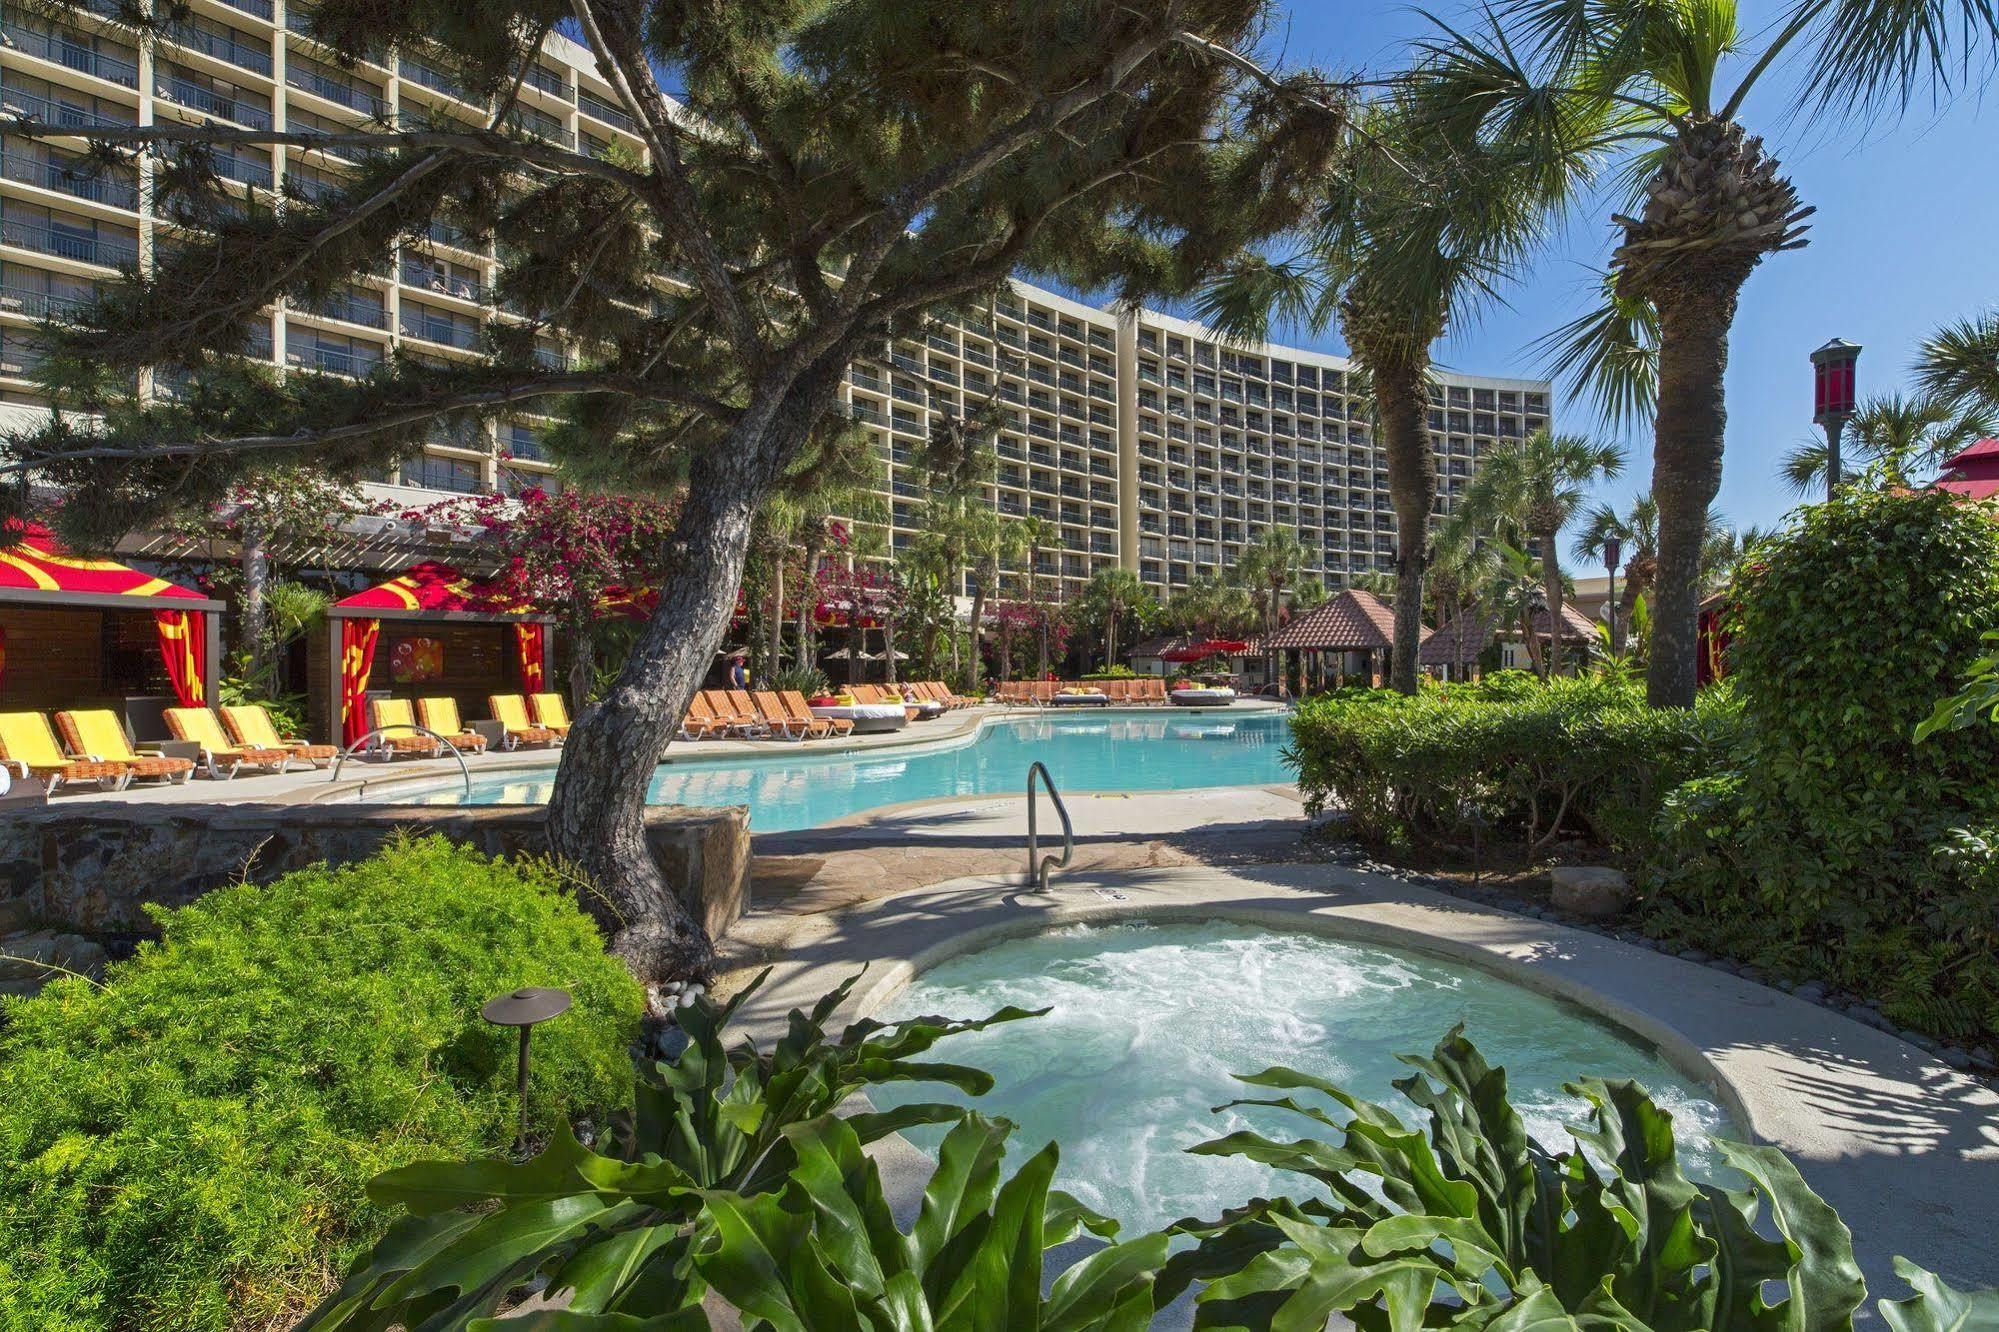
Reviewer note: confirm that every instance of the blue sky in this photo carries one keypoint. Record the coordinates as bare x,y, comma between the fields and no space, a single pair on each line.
1906,238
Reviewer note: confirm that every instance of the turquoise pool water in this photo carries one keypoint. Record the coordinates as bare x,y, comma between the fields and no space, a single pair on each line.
1150,1022
793,787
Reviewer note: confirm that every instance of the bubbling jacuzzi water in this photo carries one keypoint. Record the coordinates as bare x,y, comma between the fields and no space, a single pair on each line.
1149,1022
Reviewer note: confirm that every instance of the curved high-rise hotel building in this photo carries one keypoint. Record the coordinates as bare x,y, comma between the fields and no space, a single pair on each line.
1141,439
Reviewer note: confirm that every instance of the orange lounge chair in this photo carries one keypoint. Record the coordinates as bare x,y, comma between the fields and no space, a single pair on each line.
775,716
250,724
397,719
28,746
99,737
741,706
795,704
700,723
550,712
441,715
738,720
200,727
511,711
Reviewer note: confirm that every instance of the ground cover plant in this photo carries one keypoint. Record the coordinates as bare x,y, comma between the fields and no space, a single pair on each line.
186,1146
739,1185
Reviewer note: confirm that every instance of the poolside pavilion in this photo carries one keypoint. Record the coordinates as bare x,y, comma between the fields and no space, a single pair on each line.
1453,651
87,633
439,632
1355,629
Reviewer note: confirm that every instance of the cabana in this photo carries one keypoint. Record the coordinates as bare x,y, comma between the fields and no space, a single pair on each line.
438,632
1456,646
79,633
1357,625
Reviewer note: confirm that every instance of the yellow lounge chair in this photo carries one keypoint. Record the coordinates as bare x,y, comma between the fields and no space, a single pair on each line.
397,719
98,736
549,712
800,710
511,711
441,715
28,746
199,726
251,724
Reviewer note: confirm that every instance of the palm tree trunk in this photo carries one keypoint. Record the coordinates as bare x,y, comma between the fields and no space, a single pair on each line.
256,562
806,646
776,651
988,575
1551,583
1401,397
1686,474
582,660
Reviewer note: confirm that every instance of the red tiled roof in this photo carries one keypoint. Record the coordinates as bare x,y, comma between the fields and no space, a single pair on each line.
1441,648
1353,621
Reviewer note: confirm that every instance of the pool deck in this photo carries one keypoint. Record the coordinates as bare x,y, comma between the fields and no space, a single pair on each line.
1906,1148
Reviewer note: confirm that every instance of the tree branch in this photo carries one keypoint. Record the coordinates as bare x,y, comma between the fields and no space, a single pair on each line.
478,143
621,60
392,418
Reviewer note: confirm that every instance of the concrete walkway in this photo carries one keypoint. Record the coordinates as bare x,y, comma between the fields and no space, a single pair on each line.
1905,1148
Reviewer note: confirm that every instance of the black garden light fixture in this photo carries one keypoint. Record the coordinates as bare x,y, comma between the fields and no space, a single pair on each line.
524,1008
1833,399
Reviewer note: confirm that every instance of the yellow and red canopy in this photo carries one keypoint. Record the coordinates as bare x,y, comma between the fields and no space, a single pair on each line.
37,562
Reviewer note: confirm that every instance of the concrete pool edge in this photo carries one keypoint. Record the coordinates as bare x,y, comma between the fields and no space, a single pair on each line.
383,783
1905,1147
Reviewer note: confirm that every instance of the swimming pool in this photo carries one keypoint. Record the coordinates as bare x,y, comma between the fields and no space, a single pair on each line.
1149,1023
796,788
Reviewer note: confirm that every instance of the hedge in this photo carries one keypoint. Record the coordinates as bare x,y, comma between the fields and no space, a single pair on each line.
186,1146
1531,761
1836,846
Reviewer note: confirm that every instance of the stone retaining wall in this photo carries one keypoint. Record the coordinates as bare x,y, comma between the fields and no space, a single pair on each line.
90,866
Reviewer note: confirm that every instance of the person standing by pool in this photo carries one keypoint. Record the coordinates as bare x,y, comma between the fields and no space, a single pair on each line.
739,672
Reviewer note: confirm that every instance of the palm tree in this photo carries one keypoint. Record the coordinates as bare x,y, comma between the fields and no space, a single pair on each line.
1535,487
1511,591
1268,565
990,540
1415,232
1109,596
1724,550
1036,535
1657,81
1637,532
1897,437
1959,363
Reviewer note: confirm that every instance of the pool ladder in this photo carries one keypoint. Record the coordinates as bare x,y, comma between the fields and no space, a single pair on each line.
1039,865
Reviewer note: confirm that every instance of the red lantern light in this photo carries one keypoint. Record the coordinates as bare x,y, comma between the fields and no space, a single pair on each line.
1834,381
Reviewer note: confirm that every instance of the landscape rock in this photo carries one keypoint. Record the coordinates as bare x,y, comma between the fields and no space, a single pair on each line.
1594,891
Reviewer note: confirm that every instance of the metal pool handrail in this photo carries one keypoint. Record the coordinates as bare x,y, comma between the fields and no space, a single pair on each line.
1038,865
464,772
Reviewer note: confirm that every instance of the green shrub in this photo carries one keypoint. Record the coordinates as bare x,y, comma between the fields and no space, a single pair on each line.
1111,673
1531,759
1838,846
186,1146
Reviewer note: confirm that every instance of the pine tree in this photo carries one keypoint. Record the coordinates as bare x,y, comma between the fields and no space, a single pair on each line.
832,171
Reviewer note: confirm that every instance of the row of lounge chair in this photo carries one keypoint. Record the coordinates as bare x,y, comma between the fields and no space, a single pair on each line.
762,714
1143,689
537,719
91,745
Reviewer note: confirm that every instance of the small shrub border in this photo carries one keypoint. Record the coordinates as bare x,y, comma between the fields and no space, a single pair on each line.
186,1146
1512,759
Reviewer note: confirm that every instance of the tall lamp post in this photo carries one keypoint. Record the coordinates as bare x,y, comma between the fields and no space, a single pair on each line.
1613,552
1833,399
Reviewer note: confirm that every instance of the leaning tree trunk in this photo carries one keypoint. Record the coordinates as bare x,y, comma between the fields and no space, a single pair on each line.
1551,583
1401,396
596,813
1686,475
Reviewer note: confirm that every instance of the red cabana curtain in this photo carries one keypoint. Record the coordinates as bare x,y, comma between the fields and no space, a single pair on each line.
357,658
533,648
184,647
